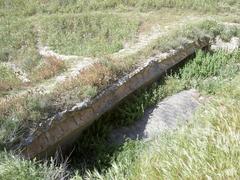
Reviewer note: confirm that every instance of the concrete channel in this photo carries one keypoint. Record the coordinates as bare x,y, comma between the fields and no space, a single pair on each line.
64,128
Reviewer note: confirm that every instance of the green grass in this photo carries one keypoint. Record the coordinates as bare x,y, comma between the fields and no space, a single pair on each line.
88,34
93,148
206,148
18,43
203,144
190,32
20,115
80,27
32,7
110,69
74,27
18,47
13,167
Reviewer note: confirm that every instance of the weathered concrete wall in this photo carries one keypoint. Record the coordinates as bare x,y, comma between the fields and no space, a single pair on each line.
63,129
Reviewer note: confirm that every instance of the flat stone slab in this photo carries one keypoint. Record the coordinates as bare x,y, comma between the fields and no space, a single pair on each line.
166,115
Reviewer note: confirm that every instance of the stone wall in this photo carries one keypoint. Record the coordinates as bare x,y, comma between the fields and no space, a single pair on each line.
65,127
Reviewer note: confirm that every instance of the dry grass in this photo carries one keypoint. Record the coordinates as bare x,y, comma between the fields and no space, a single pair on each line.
49,68
14,167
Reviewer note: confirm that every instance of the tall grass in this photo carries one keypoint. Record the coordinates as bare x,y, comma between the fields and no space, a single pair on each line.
13,167
198,74
206,148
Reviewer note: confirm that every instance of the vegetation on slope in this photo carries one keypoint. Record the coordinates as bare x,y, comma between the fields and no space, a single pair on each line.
13,167
90,34
207,147
23,24
109,69
209,143
21,115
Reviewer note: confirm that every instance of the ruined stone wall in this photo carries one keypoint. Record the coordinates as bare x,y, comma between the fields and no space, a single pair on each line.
65,127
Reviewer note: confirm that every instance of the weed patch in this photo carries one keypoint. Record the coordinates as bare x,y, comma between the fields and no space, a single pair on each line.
90,82
94,141
207,147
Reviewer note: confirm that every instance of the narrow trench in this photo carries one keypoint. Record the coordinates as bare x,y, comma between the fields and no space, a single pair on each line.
93,150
